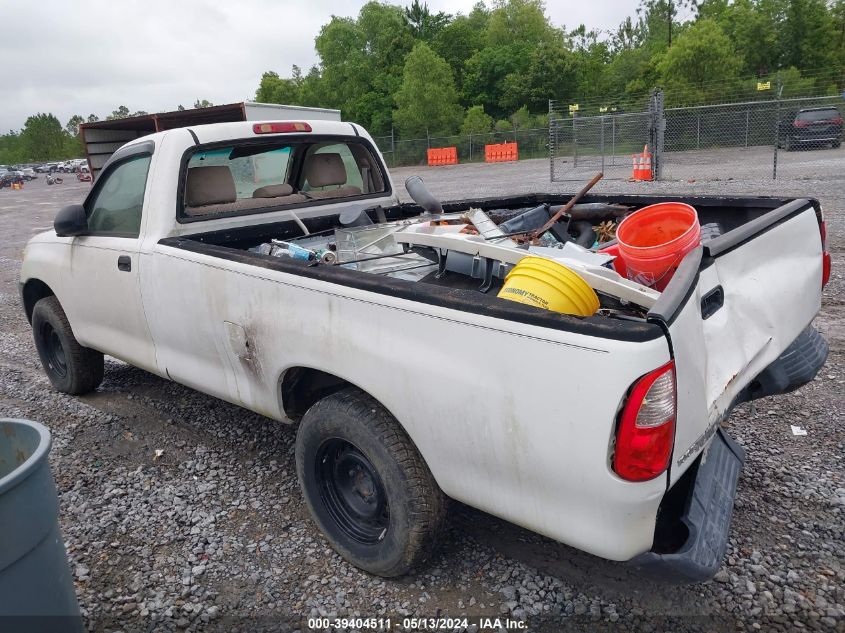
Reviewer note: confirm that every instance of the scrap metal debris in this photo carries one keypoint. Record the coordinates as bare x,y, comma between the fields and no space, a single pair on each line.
605,231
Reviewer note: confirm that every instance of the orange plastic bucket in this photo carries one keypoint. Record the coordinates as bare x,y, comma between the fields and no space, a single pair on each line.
653,241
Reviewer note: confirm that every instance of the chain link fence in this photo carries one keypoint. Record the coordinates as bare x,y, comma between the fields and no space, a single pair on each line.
766,139
533,143
583,145
779,138
580,145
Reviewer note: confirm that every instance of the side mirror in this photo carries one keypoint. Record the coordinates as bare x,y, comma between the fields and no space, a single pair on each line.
71,221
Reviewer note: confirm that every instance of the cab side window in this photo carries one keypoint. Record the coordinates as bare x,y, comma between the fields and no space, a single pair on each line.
118,202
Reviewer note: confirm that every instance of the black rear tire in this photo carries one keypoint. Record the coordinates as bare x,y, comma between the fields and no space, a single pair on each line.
71,368
366,485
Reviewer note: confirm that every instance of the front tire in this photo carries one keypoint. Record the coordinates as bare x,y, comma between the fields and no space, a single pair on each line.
71,368
366,485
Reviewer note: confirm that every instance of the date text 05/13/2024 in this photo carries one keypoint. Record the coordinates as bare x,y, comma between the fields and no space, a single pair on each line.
416,624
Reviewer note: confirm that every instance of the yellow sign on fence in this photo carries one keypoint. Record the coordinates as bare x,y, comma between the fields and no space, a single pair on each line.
764,86
573,107
603,109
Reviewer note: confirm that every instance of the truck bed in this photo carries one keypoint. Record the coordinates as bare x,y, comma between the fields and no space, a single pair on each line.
458,291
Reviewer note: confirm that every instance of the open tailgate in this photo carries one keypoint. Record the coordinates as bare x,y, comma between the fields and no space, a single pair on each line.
734,305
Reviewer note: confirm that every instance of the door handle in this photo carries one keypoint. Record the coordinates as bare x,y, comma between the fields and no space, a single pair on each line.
712,301
124,263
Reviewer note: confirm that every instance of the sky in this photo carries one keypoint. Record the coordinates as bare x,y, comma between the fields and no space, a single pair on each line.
90,56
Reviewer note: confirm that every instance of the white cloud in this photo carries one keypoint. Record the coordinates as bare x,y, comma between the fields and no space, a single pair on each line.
90,56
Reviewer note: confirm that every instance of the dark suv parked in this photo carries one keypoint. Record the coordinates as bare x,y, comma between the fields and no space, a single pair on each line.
10,177
811,127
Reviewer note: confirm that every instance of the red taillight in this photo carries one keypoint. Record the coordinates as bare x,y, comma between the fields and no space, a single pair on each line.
646,431
800,123
281,127
826,263
837,121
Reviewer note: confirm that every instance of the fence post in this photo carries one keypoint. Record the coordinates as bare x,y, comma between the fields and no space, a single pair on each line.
747,112
657,128
427,139
551,142
698,131
574,141
613,139
777,130
602,144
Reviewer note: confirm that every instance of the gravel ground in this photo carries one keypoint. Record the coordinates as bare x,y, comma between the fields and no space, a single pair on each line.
214,534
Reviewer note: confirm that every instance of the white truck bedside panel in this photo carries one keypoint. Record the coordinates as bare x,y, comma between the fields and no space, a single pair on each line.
525,439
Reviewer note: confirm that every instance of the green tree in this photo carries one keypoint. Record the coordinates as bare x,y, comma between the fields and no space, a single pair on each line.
510,56
521,119
591,58
461,38
274,89
73,124
503,125
72,147
487,76
809,35
520,21
312,90
92,118
121,113
754,32
659,20
476,121
427,102
700,64
551,74
424,24
362,62
42,137
11,150
628,36
202,103
541,121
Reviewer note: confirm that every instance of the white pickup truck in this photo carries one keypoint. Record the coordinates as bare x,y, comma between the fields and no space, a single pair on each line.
409,385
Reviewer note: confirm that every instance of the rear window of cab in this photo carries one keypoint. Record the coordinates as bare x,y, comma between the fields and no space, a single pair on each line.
251,178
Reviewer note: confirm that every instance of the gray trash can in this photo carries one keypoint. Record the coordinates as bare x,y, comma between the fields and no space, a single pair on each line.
36,587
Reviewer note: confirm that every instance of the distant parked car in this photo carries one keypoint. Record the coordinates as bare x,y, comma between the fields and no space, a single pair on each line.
43,168
811,128
84,174
29,174
10,177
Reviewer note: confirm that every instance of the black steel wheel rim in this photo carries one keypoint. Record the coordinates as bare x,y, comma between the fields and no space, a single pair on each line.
56,359
352,491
